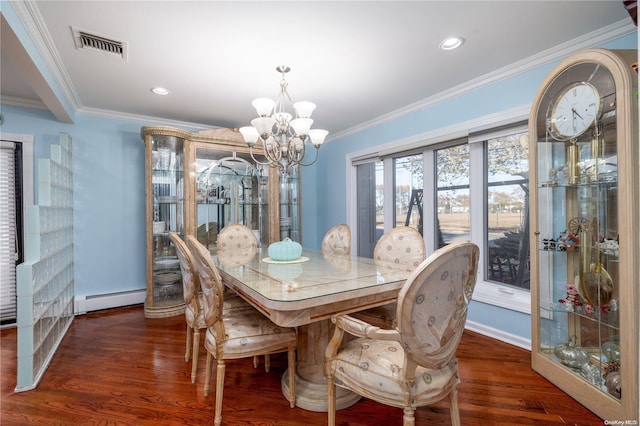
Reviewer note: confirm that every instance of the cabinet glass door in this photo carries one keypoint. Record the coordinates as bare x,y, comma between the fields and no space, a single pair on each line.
290,226
167,187
578,238
229,189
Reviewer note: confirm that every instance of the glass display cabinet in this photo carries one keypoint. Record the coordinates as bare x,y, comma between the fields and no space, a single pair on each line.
164,162
229,189
197,183
584,243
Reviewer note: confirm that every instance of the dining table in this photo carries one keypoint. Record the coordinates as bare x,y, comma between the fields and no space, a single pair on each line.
305,293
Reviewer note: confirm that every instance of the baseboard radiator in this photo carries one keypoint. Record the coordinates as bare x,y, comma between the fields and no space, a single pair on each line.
98,302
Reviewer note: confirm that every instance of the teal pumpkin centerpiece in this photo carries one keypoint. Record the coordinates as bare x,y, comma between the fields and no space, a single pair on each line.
284,250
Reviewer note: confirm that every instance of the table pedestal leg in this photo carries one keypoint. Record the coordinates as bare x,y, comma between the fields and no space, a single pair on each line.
311,387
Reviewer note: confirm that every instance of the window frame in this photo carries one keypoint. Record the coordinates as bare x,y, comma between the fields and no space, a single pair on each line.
488,292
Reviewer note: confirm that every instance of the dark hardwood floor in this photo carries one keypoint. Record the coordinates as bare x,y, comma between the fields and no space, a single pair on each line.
118,368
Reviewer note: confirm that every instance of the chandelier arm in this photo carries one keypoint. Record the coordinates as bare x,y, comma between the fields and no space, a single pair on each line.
268,163
314,160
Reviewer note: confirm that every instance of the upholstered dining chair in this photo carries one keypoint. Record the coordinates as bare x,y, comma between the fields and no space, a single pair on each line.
236,236
415,364
239,236
337,240
234,334
193,312
401,245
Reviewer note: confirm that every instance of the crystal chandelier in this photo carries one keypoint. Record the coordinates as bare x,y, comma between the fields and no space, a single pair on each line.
284,138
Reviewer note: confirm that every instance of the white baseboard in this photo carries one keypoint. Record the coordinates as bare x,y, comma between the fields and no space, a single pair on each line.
503,336
97,302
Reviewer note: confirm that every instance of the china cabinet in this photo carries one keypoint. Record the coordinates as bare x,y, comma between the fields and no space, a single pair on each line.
197,183
584,222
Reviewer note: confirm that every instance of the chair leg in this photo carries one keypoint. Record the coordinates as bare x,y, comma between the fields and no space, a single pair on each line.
207,374
292,376
409,418
194,358
267,363
187,352
331,401
219,390
453,407
256,361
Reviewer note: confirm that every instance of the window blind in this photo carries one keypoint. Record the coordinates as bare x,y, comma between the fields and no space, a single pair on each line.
7,232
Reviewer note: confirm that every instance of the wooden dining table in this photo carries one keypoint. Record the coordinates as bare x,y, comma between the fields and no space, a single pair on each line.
305,293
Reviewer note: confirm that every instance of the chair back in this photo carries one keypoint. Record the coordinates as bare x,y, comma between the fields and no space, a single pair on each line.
236,236
432,305
403,245
337,240
210,283
190,282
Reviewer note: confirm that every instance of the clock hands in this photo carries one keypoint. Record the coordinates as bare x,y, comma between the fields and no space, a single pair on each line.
573,110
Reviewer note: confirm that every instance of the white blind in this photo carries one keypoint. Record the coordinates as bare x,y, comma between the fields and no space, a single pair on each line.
7,232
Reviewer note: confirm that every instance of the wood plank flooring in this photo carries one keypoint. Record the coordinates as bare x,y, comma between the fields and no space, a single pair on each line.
118,368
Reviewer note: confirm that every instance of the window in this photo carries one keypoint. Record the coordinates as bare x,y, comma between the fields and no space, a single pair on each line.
453,210
472,186
408,191
507,228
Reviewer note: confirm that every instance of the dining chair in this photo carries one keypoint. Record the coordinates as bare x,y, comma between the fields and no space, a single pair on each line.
337,240
236,236
401,245
413,365
239,236
234,334
193,312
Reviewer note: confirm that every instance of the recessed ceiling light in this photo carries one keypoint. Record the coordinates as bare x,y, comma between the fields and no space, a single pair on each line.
160,91
451,43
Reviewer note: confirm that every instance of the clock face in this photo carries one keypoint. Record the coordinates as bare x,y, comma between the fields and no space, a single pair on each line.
573,111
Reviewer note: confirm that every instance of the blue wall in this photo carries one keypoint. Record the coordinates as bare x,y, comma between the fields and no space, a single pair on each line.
109,182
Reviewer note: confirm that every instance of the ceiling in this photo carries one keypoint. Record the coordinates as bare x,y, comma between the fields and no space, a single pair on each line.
358,61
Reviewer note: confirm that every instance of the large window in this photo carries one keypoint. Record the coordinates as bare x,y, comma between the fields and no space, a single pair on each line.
471,188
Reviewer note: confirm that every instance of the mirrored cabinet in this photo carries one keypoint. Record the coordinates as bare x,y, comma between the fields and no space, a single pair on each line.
198,183
584,244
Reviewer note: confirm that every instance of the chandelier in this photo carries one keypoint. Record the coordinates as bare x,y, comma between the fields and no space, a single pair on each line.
283,137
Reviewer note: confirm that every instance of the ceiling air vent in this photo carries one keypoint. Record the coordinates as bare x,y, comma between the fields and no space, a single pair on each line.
86,40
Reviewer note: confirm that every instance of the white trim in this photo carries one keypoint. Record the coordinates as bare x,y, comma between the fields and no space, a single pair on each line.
27,164
148,120
503,296
500,335
35,26
24,102
97,302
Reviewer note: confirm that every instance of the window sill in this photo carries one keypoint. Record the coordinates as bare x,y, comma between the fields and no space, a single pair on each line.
503,296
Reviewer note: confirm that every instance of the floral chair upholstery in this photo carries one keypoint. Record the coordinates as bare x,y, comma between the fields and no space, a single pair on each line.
403,245
236,236
236,334
415,364
337,240
193,312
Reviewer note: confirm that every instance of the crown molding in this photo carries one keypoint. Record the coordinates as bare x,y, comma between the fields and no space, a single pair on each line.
23,102
148,120
29,14
592,39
